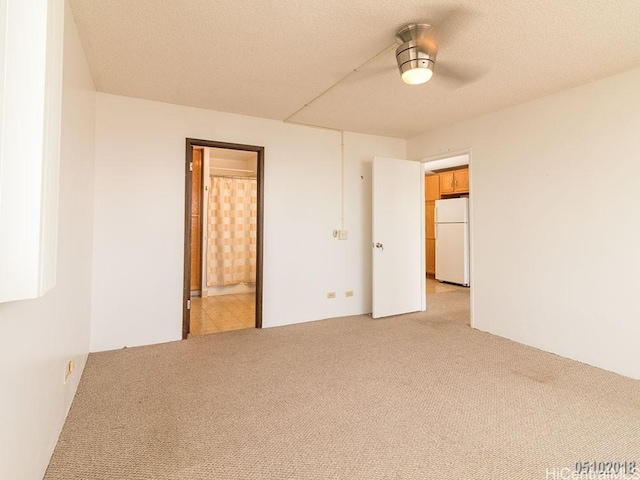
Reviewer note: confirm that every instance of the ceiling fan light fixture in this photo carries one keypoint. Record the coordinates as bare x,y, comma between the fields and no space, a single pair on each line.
416,74
416,55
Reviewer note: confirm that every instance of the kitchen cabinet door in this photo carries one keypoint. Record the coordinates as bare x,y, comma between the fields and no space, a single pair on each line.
461,181
446,183
430,218
432,188
430,237
431,257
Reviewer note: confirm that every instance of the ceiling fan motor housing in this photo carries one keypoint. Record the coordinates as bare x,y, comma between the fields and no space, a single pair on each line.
417,50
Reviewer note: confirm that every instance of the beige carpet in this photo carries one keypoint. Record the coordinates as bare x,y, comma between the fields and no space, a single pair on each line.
419,396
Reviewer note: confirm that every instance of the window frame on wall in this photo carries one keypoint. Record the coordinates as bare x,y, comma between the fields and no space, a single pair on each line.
31,55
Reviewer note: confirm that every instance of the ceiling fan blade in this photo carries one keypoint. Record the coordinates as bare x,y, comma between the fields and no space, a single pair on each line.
458,76
447,22
373,72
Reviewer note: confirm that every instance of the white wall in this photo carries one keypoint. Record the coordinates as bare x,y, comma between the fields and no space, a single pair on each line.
554,184
139,217
38,337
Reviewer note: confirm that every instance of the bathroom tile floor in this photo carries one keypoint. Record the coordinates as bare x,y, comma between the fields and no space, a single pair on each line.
221,313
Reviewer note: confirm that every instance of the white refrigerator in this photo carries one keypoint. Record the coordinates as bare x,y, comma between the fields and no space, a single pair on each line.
452,240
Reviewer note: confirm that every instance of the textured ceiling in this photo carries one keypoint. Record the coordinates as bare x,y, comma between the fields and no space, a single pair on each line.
270,58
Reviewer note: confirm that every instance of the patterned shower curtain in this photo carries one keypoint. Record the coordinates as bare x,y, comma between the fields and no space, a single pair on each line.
232,225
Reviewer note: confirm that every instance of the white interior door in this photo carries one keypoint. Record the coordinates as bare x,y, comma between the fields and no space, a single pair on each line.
398,237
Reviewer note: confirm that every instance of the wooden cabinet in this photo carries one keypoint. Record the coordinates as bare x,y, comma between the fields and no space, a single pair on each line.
431,257
446,183
454,181
430,236
432,188
461,181
430,209
432,193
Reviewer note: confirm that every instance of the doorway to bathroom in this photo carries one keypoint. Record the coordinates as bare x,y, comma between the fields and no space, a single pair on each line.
223,237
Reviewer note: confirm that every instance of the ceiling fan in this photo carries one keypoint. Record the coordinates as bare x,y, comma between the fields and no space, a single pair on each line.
416,55
417,46
416,60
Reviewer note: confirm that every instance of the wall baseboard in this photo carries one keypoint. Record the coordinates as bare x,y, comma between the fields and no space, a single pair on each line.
231,289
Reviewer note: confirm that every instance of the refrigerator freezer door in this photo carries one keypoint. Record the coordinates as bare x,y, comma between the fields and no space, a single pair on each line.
452,253
452,210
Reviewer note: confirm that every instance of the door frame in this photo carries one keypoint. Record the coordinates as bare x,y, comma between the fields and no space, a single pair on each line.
186,292
472,280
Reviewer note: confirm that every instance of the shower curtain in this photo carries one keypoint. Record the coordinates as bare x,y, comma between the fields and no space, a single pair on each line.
232,228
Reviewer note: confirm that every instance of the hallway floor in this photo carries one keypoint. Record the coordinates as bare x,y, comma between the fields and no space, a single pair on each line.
222,313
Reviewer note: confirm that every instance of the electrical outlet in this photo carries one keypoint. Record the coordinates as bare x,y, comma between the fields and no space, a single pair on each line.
331,294
68,370
348,293
343,234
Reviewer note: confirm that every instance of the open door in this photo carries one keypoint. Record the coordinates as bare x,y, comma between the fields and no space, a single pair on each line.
398,231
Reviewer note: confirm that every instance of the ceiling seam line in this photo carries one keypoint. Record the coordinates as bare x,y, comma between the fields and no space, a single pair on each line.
311,125
324,92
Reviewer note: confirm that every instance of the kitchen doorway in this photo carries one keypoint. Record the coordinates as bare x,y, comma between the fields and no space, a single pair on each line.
448,248
223,237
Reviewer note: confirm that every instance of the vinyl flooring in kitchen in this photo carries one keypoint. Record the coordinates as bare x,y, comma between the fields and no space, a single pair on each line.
434,286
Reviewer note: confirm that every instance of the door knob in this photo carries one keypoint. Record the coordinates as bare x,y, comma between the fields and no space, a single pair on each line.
379,245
